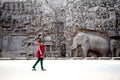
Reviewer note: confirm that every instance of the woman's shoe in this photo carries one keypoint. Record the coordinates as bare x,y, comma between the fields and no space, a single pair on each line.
43,69
33,69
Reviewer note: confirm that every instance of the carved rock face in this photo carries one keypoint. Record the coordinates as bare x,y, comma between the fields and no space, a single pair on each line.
97,15
60,20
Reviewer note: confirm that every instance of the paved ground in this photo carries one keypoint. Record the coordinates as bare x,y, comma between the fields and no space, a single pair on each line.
60,70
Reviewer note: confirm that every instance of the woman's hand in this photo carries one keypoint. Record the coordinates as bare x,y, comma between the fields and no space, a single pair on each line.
41,56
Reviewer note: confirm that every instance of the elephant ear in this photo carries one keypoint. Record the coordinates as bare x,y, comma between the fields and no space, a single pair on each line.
82,39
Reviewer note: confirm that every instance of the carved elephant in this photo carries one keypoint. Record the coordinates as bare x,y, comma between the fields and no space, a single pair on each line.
115,48
88,42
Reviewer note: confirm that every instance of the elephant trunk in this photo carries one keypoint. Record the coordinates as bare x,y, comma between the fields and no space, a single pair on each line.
74,45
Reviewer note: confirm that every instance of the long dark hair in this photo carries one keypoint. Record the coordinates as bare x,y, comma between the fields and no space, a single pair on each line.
38,37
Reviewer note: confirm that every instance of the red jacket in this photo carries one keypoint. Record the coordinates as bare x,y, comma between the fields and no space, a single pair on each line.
38,55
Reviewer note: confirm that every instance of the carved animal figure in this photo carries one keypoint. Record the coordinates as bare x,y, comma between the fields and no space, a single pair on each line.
89,42
115,48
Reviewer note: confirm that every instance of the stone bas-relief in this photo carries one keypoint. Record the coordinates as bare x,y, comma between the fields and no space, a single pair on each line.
21,21
24,20
101,16
89,43
115,47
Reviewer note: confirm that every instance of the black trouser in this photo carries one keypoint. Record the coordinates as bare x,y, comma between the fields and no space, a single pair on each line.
41,63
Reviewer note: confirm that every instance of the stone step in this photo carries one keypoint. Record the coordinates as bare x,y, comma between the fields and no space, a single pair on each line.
7,58
115,58
59,58
105,58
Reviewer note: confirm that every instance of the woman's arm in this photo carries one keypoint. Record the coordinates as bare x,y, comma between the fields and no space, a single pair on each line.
38,45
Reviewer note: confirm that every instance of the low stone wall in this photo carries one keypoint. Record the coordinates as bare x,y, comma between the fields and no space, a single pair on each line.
67,58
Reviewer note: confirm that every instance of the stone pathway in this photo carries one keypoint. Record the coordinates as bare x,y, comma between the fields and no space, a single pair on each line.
60,70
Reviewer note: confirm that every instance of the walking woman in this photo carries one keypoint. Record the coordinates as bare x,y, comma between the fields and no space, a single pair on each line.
39,52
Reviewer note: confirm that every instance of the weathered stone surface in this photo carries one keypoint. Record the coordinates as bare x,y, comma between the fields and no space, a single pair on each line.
21,20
